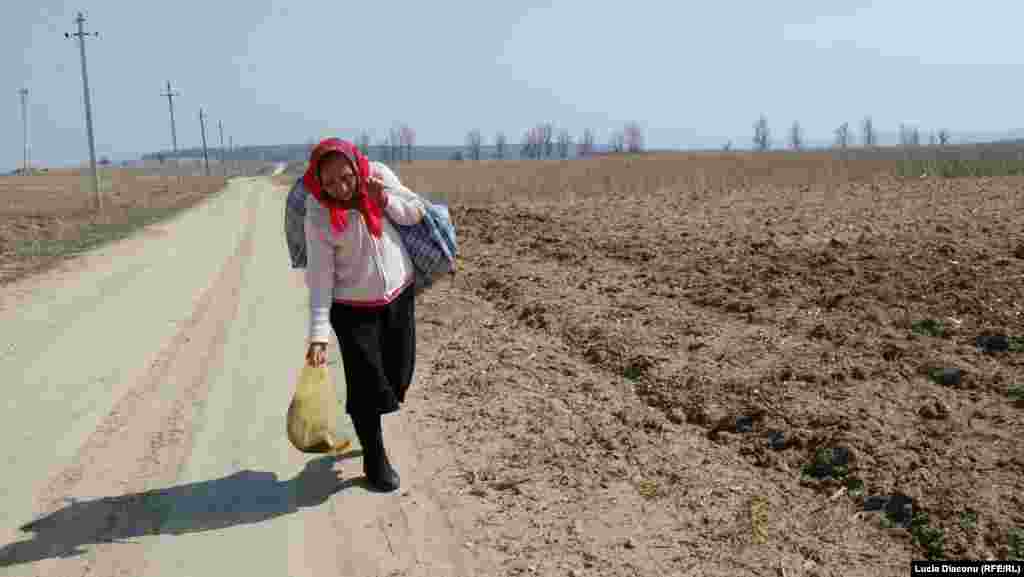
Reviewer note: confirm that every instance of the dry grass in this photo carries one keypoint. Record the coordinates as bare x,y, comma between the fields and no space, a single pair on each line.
46,218
70,192
630,175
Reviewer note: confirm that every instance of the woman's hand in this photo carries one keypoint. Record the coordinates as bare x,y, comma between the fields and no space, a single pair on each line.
375,189
316,355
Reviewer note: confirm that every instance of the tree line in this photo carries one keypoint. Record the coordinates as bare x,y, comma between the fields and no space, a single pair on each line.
539,142
909,135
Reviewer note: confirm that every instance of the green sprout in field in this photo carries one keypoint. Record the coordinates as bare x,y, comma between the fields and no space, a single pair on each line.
827,462
1016,345
969,520
1016,392
929,328
1015,540
855,488
931,539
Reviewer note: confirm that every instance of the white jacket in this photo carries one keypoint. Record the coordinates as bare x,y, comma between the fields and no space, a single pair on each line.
354,267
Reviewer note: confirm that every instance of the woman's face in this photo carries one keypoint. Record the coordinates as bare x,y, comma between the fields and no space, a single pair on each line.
338,178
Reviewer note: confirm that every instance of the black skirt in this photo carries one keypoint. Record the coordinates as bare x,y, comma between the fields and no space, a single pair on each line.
378,349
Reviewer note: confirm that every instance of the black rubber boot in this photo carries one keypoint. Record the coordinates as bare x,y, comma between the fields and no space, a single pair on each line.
380,475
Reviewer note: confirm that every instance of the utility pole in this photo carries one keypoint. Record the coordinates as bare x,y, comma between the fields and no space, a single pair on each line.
202,127
81,35
170,104
223,165
24,125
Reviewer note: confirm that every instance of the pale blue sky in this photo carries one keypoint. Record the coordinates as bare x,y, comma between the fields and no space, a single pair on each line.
692,73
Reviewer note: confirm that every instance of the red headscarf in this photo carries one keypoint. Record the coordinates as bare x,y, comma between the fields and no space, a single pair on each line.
370,210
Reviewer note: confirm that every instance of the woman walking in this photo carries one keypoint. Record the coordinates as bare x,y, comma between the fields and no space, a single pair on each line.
360,280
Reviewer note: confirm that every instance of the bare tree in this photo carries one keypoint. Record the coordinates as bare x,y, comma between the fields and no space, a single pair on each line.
396,144
843,135
533,143
943,137
526,146
762,136
547,138
868,128
499,145
909,136
564,141
364,142
796,136
617,142
408,140
474,141
586,146
633,136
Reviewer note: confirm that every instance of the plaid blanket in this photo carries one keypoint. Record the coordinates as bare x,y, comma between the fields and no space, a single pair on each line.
431,244
294,224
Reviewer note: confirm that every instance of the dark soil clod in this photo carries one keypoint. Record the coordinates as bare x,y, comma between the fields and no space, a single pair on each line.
777,440
947,377
992,343
744,424
898,508
875,503
934,409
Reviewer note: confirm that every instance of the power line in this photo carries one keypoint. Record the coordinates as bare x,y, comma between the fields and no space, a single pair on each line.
81,35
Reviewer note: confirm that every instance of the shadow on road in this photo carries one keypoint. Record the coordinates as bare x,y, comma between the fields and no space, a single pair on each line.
241,498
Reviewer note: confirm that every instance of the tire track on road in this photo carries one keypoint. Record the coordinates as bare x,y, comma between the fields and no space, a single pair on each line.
138,449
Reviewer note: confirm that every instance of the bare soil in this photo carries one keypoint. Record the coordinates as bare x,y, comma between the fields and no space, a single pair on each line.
737,380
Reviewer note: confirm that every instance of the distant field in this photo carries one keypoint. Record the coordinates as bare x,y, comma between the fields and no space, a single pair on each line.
630,175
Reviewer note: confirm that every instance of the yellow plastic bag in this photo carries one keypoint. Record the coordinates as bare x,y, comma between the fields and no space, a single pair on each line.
313,413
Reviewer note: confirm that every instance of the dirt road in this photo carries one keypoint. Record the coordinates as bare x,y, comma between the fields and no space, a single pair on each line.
146,389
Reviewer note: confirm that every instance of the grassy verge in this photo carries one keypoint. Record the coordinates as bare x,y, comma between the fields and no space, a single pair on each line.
35,242
90,235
